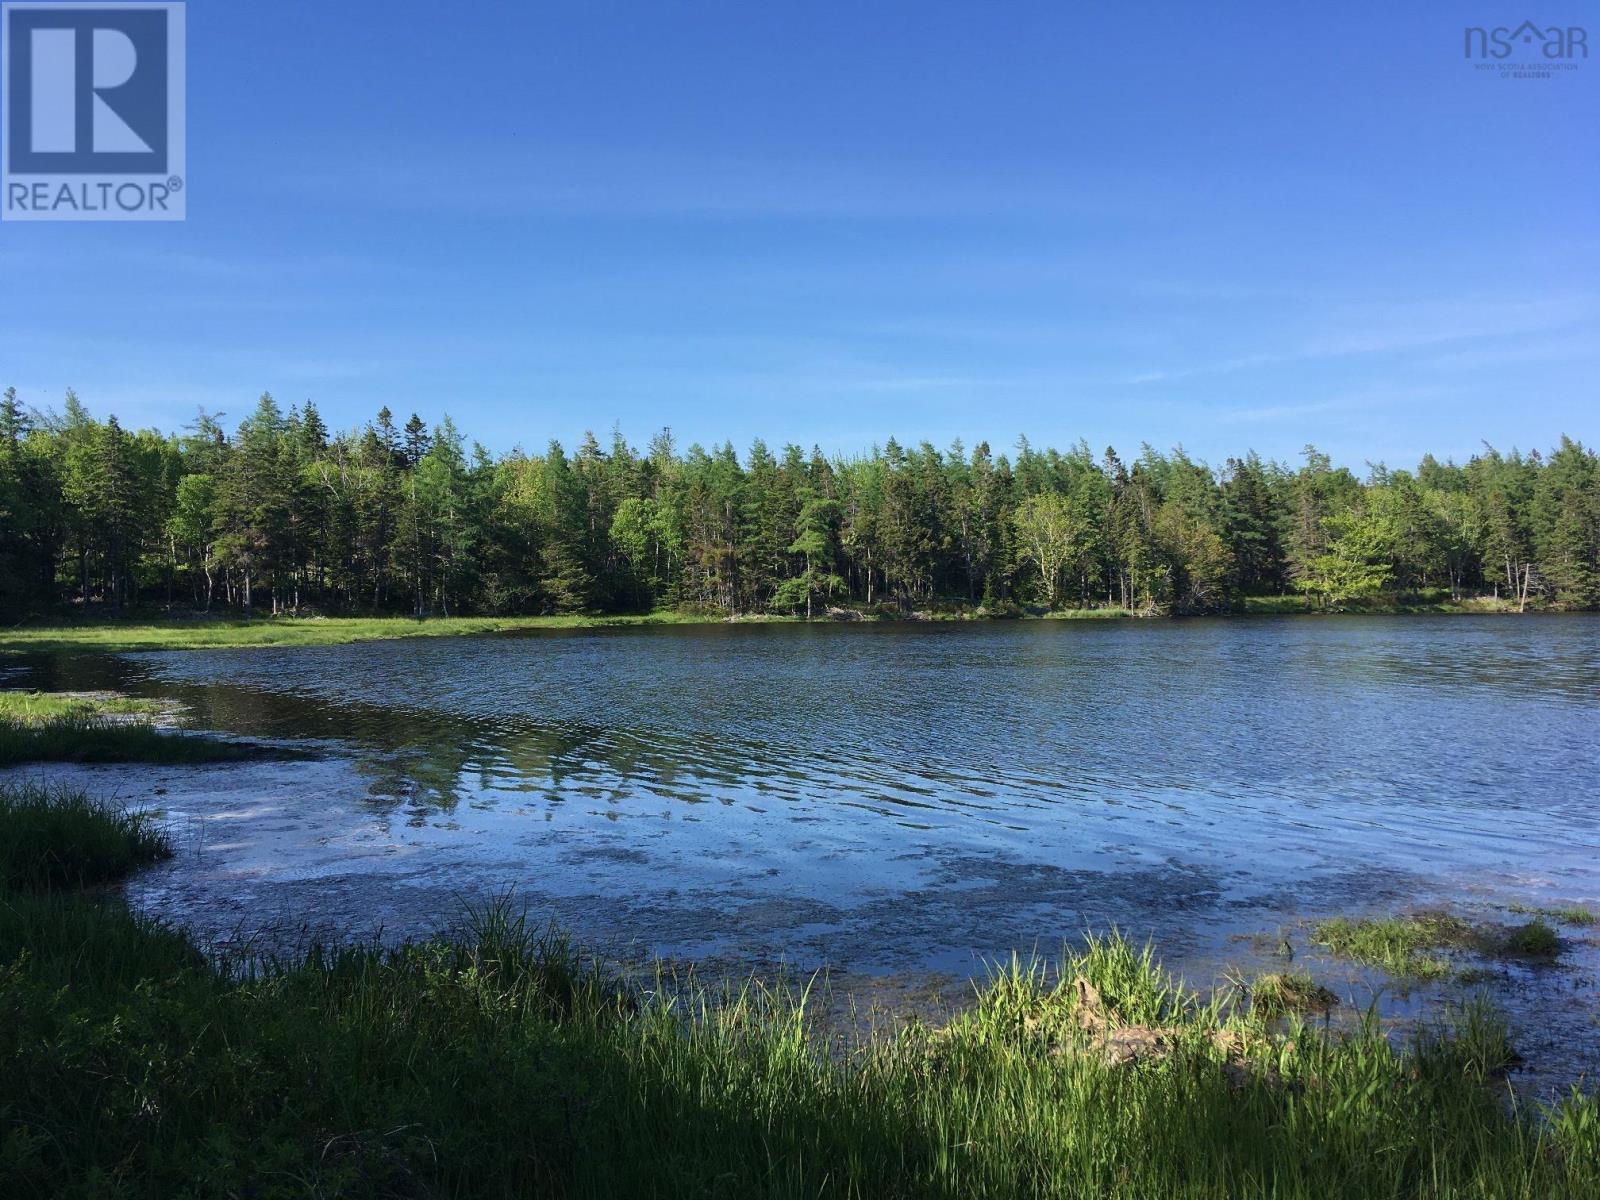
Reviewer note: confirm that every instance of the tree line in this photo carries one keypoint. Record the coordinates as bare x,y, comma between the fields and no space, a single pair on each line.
284,515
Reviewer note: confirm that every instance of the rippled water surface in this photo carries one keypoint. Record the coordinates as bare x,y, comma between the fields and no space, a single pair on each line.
891,796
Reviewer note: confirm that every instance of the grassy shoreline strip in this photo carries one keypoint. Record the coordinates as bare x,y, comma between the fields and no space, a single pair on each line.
503,1062
40,708
61,727
225,633
230,633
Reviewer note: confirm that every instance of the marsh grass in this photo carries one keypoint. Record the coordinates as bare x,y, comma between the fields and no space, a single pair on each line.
97,740
1396,944
1574,914
1109,613
1406,946
221,633
60,838
502,1062
1533,940
62,727
30,708
1282,992
1383,604
206,633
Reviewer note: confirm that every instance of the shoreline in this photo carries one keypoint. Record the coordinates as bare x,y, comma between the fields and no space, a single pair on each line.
113,636
238,895
1098,1065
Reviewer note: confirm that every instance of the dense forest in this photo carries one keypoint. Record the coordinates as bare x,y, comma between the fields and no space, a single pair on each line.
284,515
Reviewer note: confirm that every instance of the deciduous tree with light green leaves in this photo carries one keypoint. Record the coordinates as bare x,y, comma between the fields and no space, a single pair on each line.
1053,537
1356,561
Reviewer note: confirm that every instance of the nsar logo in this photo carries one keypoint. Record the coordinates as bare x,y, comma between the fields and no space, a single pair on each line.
1551,43
93,124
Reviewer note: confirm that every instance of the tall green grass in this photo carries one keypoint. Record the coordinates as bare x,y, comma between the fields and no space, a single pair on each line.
503,1062
94,740
506,1065
60,838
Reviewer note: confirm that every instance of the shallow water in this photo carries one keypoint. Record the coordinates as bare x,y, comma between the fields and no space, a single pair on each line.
891,799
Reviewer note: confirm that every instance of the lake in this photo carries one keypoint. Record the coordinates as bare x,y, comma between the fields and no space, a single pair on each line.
887,798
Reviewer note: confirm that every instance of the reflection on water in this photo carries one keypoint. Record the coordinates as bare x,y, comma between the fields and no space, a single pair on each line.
896,795
1440,745
1470,742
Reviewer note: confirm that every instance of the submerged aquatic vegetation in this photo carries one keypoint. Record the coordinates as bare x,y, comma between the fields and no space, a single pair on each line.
503,1062
55,727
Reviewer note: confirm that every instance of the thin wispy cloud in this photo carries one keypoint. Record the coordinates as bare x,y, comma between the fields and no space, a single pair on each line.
1352,402
1404,329
588,222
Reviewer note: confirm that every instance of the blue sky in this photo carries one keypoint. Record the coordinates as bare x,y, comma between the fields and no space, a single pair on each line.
1220,225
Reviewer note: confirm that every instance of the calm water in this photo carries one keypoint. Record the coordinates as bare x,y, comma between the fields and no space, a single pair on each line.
890,797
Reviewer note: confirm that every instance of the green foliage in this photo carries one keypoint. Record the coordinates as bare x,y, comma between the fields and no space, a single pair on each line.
1396,944
1355,562
56,728
1533,940
1053,537
284,517
1197,560
817,544
504,1063
1279,993
59,838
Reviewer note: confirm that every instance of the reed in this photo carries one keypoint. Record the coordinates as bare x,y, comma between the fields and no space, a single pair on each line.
504,1062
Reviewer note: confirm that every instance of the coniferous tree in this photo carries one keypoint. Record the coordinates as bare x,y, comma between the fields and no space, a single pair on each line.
386,520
